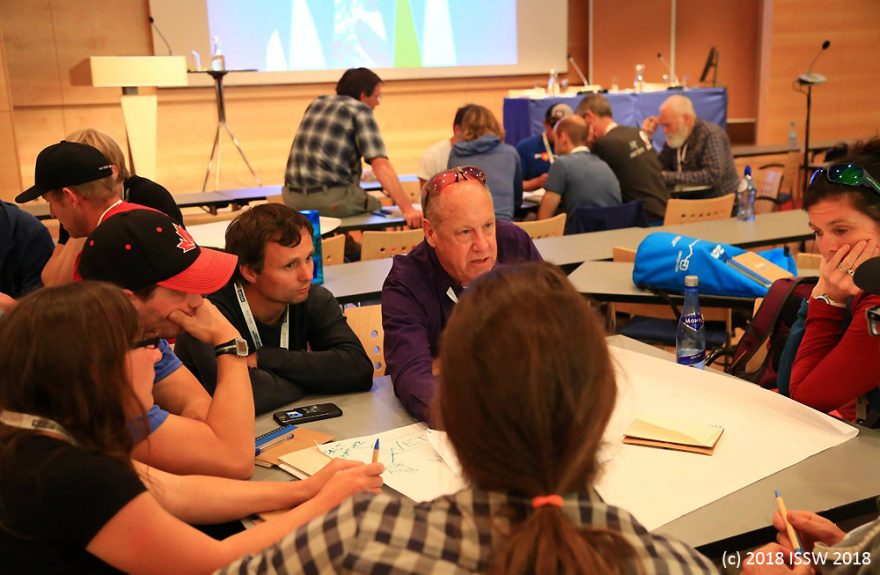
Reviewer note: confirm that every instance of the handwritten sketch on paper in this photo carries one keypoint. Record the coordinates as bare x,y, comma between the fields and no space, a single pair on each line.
412,466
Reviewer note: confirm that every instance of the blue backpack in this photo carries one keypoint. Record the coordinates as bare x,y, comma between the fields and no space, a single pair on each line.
664,259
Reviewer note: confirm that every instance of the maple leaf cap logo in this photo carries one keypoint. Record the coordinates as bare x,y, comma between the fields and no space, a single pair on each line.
186,242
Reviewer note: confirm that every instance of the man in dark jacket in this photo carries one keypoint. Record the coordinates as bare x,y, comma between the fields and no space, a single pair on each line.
301,343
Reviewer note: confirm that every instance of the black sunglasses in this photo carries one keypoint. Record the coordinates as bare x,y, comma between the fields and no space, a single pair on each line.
848,175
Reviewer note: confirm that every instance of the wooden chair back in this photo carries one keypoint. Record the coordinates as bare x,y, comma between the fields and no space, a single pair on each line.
378,245
548,228
366,323
685,211
333,250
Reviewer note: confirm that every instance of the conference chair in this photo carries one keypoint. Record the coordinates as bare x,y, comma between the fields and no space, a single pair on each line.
687,211
333,250
366,323
378,245
596,219
549,228
807,261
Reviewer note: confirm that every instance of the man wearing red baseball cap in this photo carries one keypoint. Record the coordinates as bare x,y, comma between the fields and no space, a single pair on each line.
157,263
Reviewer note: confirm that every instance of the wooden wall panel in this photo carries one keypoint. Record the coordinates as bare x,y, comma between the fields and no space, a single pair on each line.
732,27
35,128
845,107
31,52
626,34
10,180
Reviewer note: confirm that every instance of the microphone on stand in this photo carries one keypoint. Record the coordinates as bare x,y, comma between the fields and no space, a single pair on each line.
588,89
577,71
159,32
673,79
809,77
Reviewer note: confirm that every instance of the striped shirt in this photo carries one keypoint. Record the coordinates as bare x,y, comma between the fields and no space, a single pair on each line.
335,133
455,534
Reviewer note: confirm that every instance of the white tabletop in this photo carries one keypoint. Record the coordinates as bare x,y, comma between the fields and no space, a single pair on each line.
736,521
213,235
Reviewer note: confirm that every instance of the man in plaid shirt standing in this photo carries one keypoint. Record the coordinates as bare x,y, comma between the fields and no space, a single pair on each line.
696,153
324,168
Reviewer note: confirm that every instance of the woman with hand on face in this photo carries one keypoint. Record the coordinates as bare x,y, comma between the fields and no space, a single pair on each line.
75,379
836,363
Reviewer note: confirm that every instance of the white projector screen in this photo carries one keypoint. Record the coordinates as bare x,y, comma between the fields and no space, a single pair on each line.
300,41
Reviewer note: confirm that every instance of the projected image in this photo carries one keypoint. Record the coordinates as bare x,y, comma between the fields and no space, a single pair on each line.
293,35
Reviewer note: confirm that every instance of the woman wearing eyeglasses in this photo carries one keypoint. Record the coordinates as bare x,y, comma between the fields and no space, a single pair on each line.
75,382
525,398
836,363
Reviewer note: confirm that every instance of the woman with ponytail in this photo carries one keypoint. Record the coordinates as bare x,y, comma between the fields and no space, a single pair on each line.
525,394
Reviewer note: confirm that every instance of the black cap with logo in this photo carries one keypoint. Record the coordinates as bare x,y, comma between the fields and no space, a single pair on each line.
66,164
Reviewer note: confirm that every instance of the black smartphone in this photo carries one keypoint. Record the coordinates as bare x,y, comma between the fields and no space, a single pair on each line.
307,413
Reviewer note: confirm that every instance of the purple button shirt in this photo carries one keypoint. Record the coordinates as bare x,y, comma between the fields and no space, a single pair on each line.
416,307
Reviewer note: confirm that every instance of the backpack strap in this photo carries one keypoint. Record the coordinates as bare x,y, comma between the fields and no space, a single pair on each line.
760,328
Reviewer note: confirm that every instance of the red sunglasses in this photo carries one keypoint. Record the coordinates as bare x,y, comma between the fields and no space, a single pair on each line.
446,178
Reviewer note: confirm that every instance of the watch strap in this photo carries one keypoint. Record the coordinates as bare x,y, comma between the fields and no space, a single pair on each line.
235,346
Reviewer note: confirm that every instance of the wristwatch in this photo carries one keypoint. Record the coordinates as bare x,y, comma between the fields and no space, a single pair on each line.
825,299
237,346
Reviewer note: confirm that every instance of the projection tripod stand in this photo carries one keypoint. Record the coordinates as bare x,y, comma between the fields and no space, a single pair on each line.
218,75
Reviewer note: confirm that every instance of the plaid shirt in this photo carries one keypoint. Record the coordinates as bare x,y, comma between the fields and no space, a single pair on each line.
455,534
708,160
335,133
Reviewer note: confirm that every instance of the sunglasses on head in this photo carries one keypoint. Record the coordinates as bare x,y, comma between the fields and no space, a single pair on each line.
149,343
446,178
848,175
873,316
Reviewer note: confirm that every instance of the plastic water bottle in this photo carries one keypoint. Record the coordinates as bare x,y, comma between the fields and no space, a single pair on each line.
690,339
792,135
218,60
553,83
745,209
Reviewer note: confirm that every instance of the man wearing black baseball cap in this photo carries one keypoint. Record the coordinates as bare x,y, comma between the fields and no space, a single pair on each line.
159,266
79,183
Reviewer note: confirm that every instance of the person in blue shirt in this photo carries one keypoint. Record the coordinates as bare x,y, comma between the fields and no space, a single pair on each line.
537,153
25,247
578,177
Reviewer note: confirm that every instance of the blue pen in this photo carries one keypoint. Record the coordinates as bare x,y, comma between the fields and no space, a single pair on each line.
376,451
274,437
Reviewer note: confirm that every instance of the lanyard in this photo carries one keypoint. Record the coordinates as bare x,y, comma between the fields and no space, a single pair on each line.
252,324
681,153
41,424
101,217
550,156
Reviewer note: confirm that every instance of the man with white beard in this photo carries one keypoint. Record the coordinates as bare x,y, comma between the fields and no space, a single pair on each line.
696,153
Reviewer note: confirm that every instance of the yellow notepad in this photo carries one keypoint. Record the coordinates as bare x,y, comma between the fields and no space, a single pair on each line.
668,433
758,268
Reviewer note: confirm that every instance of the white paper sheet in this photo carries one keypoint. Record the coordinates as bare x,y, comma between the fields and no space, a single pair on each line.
764,433
412,466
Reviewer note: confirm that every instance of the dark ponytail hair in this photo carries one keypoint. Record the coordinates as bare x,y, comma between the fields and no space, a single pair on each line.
527,388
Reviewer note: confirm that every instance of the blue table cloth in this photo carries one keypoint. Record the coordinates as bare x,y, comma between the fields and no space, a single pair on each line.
525,116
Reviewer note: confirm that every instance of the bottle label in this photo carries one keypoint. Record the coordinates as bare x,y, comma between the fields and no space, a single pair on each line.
693,321
696,359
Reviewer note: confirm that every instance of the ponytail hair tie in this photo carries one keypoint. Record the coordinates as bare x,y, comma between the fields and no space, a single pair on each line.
543,500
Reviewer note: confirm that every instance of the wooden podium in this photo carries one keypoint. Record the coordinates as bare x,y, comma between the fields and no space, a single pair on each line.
139,110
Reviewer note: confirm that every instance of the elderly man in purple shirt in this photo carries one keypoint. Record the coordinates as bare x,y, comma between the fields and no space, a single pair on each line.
462,242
